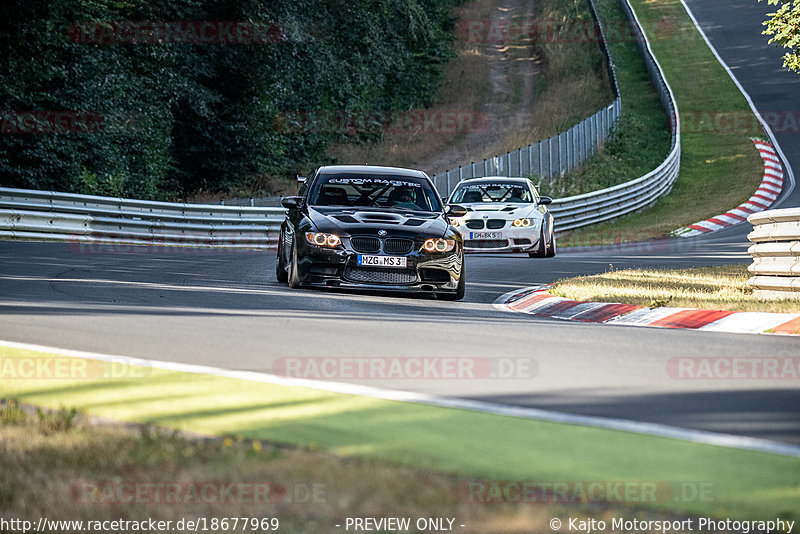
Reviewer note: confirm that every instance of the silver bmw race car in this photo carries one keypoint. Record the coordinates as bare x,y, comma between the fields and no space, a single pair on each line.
504,215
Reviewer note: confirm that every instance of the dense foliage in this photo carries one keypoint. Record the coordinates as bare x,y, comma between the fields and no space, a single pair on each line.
784,27
120,97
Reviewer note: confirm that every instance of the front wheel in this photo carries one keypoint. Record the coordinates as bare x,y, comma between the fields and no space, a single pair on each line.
541,247
280,268
294,276
551,248
460,289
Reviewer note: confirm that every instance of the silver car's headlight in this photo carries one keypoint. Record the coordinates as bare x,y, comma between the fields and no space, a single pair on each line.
522,223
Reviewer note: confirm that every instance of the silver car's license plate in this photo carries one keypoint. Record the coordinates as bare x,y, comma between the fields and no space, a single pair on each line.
382,261
486,235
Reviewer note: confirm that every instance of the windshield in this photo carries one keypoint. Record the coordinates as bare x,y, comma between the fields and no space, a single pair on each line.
397,192
488,192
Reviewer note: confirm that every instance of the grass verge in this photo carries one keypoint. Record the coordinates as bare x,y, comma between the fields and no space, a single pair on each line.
715,288
63,468
720,168
459,443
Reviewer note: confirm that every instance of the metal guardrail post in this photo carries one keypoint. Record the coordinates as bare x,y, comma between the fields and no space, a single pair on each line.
530,160
568,150
541,159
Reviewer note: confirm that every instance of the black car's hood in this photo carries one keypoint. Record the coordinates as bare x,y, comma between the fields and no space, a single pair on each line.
366,221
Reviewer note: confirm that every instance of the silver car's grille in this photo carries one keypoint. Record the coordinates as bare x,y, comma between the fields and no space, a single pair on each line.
380,276
485,243
394,245
366,244
494,224
474,224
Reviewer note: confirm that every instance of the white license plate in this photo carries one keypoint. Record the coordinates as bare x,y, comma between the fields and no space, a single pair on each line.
382,261
486,235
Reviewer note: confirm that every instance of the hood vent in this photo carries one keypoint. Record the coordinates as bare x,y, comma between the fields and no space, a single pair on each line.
375,217
378,216
347,219
414,222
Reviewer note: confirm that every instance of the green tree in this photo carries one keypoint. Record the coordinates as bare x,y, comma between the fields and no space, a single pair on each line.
784,27
180,116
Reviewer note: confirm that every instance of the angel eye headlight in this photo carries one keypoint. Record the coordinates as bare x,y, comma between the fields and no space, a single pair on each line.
522,223
323,240
439,245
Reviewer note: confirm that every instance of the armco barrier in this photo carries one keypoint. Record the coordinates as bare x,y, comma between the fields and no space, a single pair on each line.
775,252
49,215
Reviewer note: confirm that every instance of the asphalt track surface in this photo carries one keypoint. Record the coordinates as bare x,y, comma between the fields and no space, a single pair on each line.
224,309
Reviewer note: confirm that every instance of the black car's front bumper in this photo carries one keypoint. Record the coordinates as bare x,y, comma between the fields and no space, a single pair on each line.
426,272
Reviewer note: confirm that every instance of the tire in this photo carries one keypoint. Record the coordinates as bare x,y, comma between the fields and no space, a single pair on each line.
460,289
280,269
551,249
541,247
294,276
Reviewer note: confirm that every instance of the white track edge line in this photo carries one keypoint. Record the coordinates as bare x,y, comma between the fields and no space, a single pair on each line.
776,146
624,425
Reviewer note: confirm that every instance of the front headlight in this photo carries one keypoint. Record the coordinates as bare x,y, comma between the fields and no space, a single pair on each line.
439,245
456,222
522,223
323,240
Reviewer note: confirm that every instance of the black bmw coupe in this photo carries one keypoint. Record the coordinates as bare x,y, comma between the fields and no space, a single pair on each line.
376,228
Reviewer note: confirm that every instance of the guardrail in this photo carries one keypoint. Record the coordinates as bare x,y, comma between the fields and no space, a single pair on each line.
50,215
775,252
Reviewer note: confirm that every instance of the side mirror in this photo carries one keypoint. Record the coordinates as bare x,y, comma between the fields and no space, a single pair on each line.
293,203
454,210
545,200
